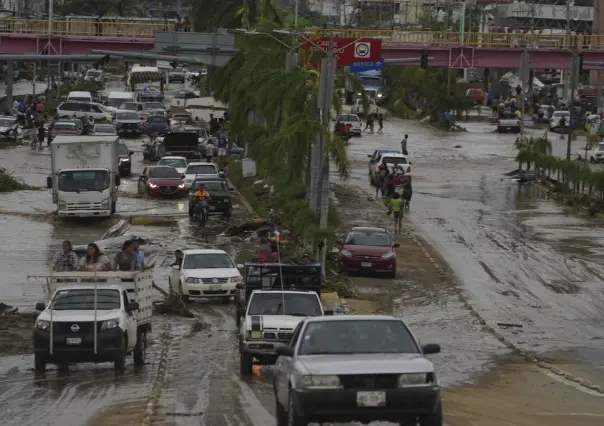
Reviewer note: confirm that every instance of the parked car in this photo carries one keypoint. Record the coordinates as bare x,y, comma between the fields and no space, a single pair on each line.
11,129
128,123
554,122
353,120
199,169
186,94
125,159
159,181
179,163
90,109
592,154
157,124
177,74
154,107
476,96
390,159
94,75
220,195
356,368
132,106
508,122
358,109
367,249
65,127
377,154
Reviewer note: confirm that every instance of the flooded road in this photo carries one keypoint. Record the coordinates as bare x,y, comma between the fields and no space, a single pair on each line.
520,259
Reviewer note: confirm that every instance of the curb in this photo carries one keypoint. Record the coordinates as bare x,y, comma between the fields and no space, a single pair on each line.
580,382
160,378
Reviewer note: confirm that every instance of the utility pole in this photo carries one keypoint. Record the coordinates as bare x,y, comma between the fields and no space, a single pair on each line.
10,71
462,23
325,100
50,13
574,77
524,75
296,7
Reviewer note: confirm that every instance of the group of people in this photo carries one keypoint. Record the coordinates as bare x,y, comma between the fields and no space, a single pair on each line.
370,123
130,258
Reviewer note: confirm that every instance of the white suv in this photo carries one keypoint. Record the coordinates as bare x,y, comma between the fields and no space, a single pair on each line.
205,273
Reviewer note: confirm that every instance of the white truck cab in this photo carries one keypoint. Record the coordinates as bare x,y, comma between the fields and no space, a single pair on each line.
93,317
593,154
84,175
270,320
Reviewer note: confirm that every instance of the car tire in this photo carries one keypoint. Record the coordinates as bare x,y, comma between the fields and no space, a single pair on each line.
435,418
39,362
119,363
293,418
280,413
140,350
246,364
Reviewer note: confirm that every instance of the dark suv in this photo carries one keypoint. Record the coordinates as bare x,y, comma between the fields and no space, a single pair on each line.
220,194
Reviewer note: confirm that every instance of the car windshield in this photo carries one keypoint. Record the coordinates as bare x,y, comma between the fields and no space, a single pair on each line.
110,130
173,162
178,70
115,102
7,122
349,118
79,99
296,304
156,119
201,169
164,172
210,186
83,300
122,149
208,261
394,160
83,180
153,105
357,337
199,132
377,239
127,116
129,106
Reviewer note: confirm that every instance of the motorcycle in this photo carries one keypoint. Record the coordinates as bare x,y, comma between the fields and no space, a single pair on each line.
201,212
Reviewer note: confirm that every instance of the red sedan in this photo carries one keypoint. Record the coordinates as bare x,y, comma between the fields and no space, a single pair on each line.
368,249
161,181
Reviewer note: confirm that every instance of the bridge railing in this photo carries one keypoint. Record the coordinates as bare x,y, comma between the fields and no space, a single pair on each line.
84,28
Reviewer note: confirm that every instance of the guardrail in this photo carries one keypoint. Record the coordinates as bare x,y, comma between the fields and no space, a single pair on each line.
420,38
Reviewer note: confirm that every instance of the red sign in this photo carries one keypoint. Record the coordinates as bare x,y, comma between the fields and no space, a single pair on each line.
347,51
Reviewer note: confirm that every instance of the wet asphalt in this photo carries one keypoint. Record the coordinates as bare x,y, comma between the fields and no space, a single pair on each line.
519,258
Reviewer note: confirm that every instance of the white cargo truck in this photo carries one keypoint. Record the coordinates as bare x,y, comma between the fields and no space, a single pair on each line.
93,317
84,175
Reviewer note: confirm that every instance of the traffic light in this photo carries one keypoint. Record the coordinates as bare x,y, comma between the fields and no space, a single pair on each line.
424,59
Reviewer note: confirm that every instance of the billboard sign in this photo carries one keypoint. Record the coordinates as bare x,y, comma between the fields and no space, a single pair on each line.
367,66
347,51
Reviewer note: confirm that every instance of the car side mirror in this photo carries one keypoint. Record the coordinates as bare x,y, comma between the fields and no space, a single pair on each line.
328,312
431,348
40,306
285,351
49,182
132,306
395,245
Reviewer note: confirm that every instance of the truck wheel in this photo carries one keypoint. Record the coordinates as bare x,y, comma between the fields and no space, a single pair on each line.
246,363
435,418
119,363
39,362
140,350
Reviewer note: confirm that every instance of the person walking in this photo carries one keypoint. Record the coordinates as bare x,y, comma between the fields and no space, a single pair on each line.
381,123
404,145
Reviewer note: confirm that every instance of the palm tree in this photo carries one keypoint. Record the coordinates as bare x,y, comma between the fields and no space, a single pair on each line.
274,110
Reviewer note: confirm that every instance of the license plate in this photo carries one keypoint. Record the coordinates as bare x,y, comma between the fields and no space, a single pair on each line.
366,264
212,208
74,340
215,287
371,399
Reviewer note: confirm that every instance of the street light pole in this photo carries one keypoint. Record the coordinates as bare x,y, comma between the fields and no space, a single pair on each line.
50,13
297,5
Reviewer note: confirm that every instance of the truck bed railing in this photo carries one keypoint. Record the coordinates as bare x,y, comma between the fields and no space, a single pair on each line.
138,285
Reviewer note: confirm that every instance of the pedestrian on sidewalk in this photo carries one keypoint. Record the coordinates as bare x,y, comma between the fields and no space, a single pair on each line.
404,145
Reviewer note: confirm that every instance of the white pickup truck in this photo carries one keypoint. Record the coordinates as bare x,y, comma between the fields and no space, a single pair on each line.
270,320
592,154
358,109
508,123
93,317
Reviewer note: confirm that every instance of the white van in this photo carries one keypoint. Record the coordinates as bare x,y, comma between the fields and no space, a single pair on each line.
80,96
115,99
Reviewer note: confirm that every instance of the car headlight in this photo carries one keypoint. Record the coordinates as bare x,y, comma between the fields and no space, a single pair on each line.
321,382
43,325
254,334
109,324
152,185
416,379
181,186
346,253
379,95
124,160
388,255
105,202
236,279
193,280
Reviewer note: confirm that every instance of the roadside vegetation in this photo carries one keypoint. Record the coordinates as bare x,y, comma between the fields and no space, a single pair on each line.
573,179
417,93
9,183
274,112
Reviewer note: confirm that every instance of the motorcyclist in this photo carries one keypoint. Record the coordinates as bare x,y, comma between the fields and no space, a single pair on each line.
200,195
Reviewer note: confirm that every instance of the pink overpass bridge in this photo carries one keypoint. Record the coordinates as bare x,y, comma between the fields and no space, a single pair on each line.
475,50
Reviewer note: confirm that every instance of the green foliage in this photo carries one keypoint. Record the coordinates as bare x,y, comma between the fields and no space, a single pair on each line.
101,8
284,102
9,183
413,88
208,15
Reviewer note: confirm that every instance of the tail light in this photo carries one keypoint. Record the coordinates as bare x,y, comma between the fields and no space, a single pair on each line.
409,169
240,286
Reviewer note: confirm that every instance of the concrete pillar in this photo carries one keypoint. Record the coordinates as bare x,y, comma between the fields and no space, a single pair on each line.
10,70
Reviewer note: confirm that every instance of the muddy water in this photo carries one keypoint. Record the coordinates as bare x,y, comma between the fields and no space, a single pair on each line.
520,258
